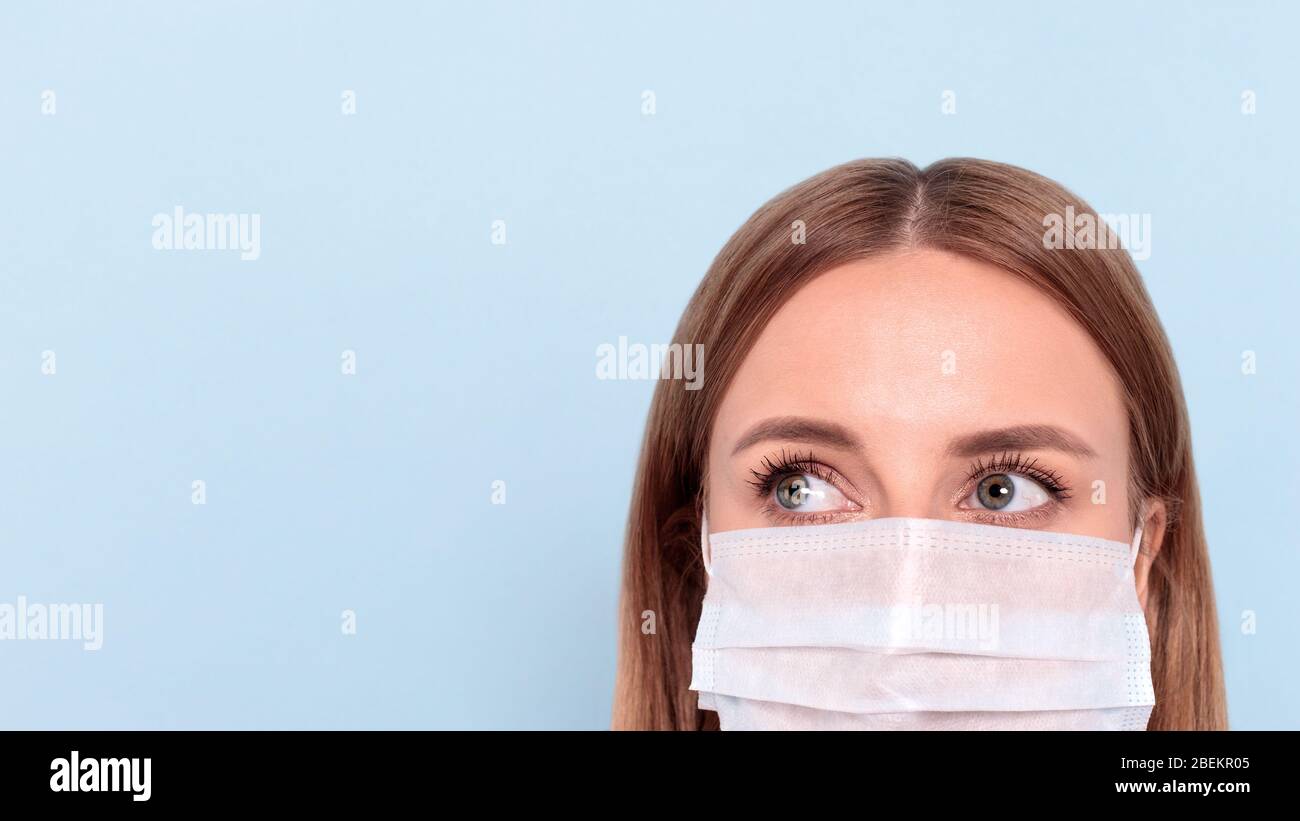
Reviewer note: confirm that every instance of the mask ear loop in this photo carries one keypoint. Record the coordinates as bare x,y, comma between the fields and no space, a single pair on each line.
704,543
1136,547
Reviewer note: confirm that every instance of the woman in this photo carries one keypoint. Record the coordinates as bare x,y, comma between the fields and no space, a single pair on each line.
915,351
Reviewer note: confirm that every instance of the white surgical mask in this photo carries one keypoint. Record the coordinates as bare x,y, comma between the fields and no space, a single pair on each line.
921,624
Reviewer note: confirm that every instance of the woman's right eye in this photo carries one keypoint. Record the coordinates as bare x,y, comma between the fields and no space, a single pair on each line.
802,493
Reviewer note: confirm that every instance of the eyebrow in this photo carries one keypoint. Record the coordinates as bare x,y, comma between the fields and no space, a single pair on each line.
1020,437
798,429
1017,437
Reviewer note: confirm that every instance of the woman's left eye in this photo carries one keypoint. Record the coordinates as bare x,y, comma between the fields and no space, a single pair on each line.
1007,493
801,493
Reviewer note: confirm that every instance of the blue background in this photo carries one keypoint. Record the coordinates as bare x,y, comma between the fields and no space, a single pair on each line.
476,361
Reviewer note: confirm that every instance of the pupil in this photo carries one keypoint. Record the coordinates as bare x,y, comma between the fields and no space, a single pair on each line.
995,491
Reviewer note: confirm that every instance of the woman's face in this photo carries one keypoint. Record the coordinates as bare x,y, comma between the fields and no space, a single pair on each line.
927,385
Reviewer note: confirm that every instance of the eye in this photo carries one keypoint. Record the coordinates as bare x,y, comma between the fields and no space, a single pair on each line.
1007,493
808,494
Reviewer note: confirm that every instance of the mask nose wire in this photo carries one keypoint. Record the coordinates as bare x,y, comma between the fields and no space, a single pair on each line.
707,554
704,543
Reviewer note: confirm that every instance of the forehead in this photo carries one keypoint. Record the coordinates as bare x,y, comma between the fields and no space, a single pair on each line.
921,346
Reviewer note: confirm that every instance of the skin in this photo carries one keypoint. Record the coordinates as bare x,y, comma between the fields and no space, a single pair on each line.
860,353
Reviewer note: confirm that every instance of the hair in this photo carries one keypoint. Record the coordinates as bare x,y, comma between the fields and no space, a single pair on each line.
982,210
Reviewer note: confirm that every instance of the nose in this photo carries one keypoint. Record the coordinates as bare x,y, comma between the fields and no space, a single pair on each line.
906,490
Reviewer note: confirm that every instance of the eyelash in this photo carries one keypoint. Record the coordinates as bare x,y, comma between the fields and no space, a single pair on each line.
775,468
1016,463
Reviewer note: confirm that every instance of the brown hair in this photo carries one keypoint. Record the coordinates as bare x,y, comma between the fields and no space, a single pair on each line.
983,210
